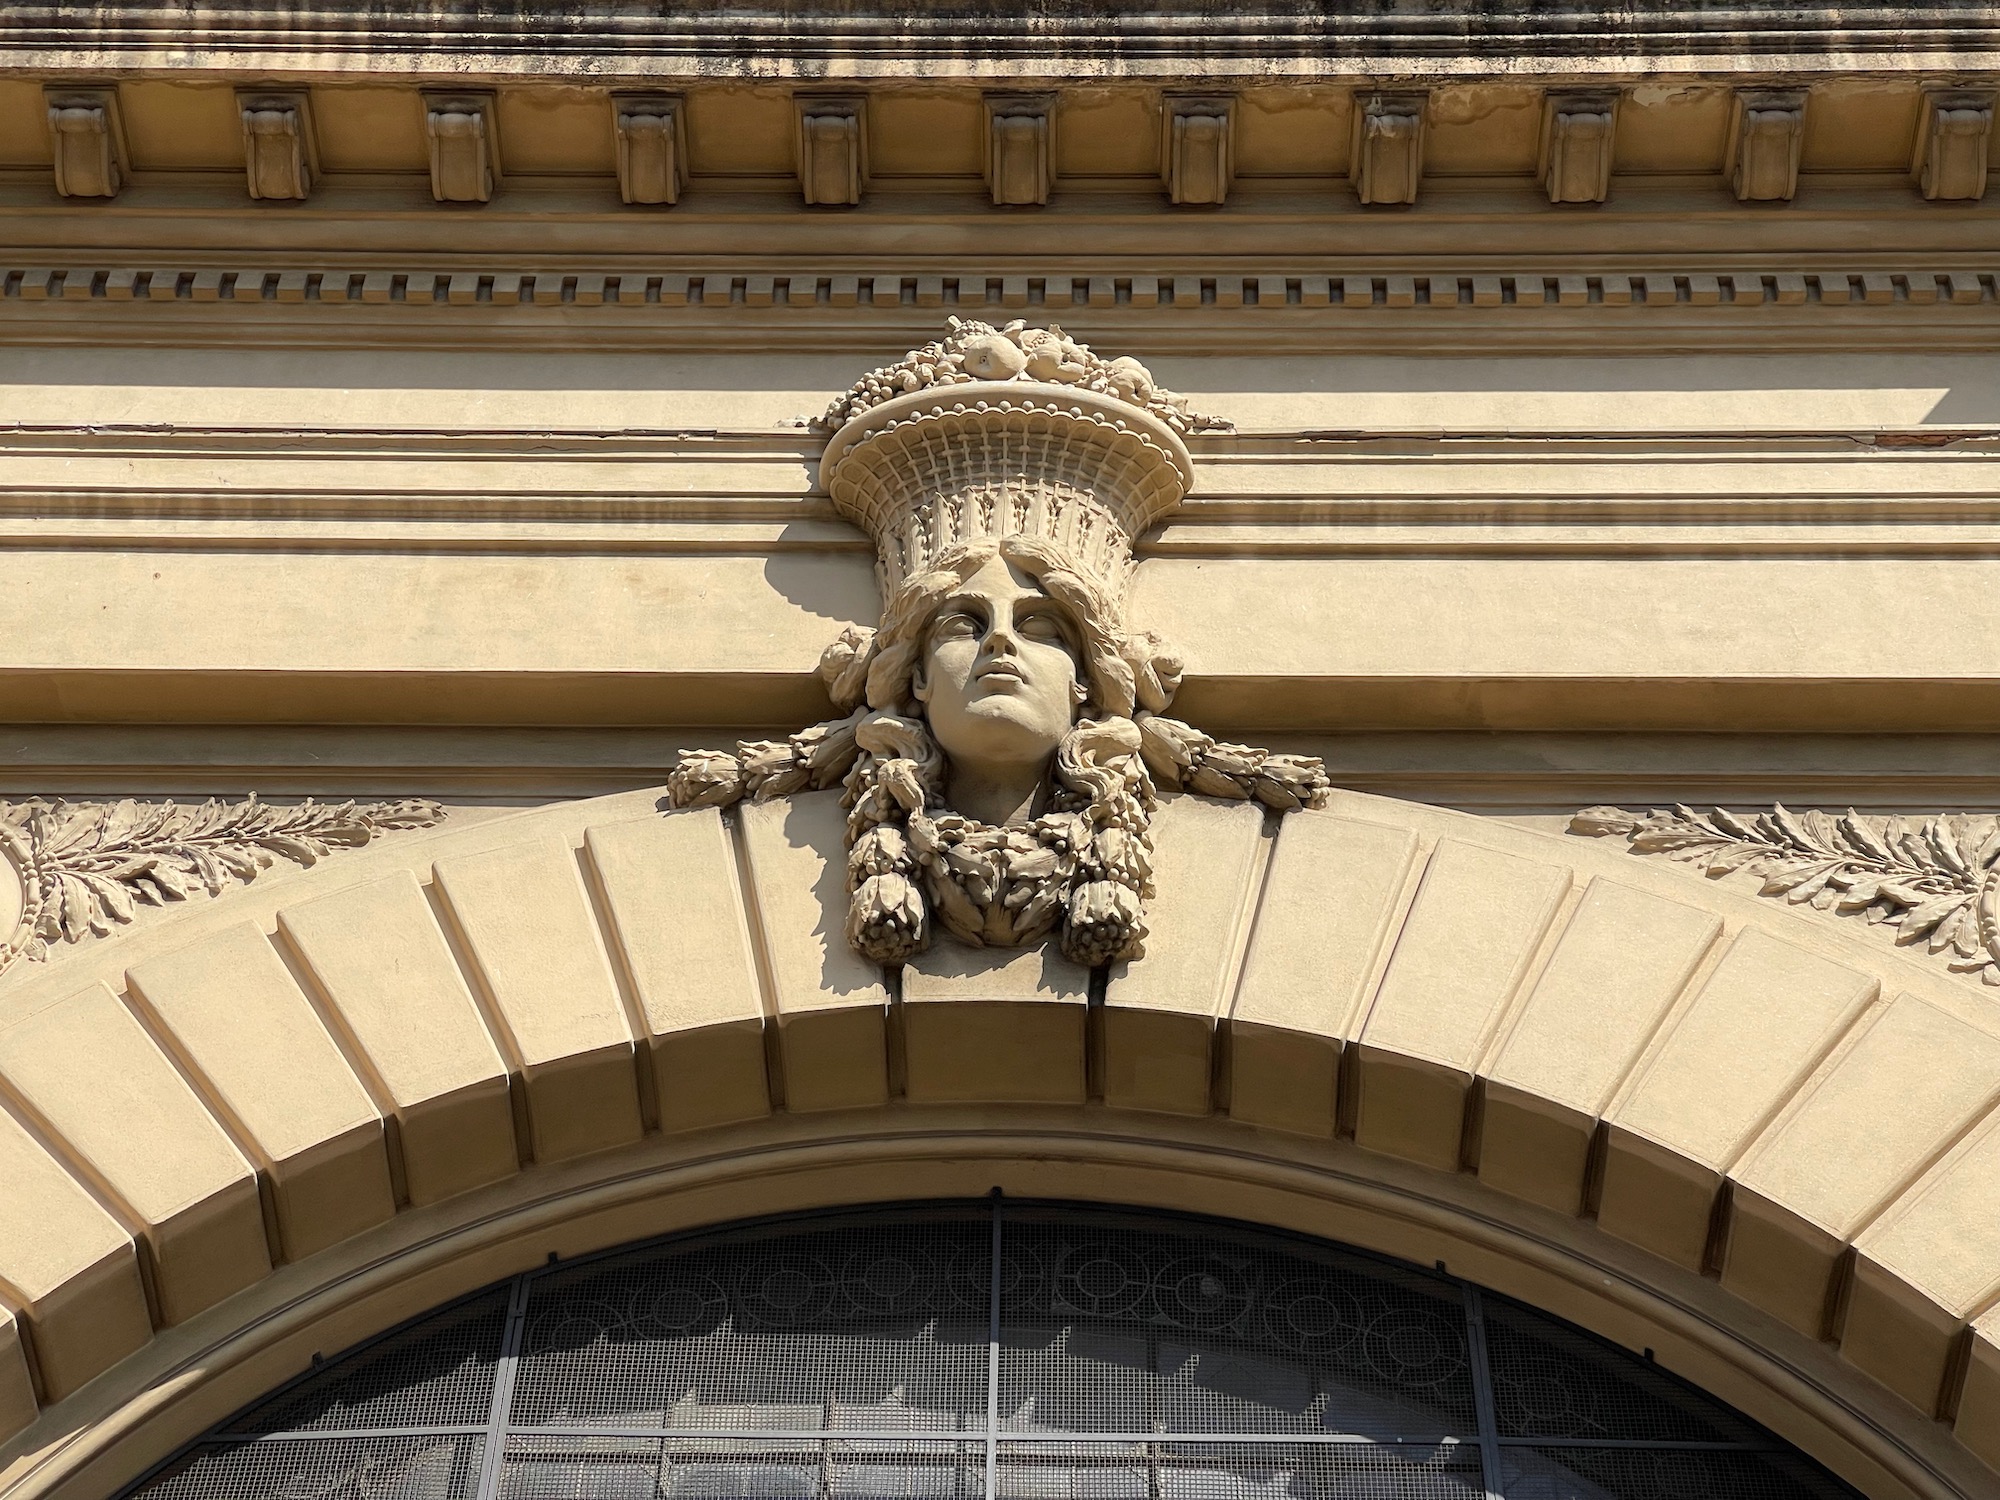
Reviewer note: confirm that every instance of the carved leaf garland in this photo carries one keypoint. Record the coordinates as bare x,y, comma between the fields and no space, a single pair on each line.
1935,879
86,867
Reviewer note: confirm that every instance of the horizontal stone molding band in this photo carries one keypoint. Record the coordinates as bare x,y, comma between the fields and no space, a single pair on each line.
1646,1066
1964,287
1106,41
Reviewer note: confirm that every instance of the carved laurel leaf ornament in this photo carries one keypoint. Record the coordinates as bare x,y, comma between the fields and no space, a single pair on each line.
1936,880
86,867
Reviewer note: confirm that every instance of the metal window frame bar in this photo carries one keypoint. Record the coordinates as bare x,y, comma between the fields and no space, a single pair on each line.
993,1359
1483,1405
961,1437
493,1459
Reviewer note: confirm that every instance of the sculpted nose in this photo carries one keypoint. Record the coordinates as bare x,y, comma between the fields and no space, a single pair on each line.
1000,637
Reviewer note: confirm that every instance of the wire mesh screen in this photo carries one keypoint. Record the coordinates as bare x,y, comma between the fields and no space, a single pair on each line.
1108,1328
868,1326
415,1467
978,1351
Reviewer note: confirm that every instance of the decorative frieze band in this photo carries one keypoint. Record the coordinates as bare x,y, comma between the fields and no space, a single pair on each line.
810,289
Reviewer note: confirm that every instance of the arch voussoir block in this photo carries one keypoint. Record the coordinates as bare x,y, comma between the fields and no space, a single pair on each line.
1727,1062
1978,1420
1903,1085
995,1026
379,957
1926,1267
70,1270
527,927
17,1385
1160,1012
1623,959
676,907
114,1100
267,1064
1478,922
1331,896
830,1004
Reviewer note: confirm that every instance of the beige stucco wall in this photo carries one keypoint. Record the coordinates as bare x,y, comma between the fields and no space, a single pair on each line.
1669,498
635,540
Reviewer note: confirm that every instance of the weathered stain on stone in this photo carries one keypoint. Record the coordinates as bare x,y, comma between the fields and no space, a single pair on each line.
827,38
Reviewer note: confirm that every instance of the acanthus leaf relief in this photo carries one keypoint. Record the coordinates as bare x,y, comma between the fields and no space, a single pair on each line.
1936,880
85,867
1003,735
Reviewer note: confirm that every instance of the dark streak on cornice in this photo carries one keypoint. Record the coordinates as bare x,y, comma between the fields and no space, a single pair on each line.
753,39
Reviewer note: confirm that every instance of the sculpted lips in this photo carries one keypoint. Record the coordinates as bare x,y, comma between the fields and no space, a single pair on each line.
996,673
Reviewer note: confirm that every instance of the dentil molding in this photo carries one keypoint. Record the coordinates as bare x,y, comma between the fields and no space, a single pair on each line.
1964,285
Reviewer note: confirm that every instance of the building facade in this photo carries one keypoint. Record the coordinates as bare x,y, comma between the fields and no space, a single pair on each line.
1408,666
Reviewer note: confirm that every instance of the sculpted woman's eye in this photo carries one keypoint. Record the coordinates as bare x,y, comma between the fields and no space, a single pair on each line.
956,626
1044,627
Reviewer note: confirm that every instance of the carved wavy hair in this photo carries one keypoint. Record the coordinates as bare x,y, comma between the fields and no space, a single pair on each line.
1086,863
1099,772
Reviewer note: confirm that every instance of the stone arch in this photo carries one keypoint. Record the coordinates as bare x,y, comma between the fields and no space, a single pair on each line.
266,1126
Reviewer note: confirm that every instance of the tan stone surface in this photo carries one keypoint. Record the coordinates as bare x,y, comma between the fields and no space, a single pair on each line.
1328,900
1160,1011
73,1271
1623,958
377,953
1477,921
17,1389
676,906
267,1062
1898,1093
831,1003
1483,656
1363,620
86,1067
1978,1422
997,1025
1924,1268
527,925
682,615
1725,1064
1931,1261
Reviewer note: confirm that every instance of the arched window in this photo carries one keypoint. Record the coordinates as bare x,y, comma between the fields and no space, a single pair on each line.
957,1351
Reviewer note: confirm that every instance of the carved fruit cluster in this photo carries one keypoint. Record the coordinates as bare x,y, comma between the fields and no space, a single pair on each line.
1936,880
979,351
87,866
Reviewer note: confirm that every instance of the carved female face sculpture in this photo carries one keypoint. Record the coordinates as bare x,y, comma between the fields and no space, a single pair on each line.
1004,734
999,687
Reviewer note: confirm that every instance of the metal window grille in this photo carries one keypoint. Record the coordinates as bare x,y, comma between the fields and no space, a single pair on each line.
1016,1351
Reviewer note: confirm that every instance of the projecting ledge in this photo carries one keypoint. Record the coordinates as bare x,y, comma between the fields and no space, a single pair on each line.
1224,703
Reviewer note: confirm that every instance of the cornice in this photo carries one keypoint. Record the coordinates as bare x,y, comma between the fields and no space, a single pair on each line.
1938,305
976,37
